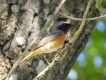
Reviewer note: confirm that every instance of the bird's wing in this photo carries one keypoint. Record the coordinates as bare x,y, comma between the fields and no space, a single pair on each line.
51,36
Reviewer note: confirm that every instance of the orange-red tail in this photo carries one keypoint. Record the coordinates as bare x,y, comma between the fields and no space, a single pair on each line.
30,55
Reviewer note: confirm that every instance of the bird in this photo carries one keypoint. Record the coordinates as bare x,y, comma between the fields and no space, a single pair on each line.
51,42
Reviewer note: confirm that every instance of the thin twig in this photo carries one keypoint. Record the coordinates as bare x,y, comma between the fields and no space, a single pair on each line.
79,19
89,19
42,74
78,32
54,16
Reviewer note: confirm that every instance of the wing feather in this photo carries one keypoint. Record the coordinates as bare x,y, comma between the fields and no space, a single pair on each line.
51,36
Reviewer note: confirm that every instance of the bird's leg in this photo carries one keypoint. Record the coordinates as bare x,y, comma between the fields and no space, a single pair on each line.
45,58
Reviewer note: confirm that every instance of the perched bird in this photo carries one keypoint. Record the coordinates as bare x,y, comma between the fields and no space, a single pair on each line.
51,42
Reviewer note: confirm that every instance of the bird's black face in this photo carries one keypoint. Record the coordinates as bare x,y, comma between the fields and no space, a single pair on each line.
64,26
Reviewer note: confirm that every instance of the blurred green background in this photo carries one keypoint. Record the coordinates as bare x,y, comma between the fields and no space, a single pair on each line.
91,63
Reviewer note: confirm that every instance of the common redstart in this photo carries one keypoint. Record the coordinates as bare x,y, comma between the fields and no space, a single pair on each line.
51,42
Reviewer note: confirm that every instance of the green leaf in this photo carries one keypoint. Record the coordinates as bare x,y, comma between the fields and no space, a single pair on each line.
98,4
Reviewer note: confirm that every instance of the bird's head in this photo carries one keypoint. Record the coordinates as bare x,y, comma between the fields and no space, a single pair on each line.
64,26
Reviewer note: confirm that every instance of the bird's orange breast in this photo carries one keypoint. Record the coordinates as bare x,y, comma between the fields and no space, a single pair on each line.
54,44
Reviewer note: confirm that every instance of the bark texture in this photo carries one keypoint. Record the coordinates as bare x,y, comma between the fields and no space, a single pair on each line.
22,20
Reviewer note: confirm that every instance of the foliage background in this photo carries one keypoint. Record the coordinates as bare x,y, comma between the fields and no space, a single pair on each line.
91,63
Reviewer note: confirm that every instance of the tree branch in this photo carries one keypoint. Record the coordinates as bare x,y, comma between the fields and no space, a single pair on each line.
79,19
42,74
78,32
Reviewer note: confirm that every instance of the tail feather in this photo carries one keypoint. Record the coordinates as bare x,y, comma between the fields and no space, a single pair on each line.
30,55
